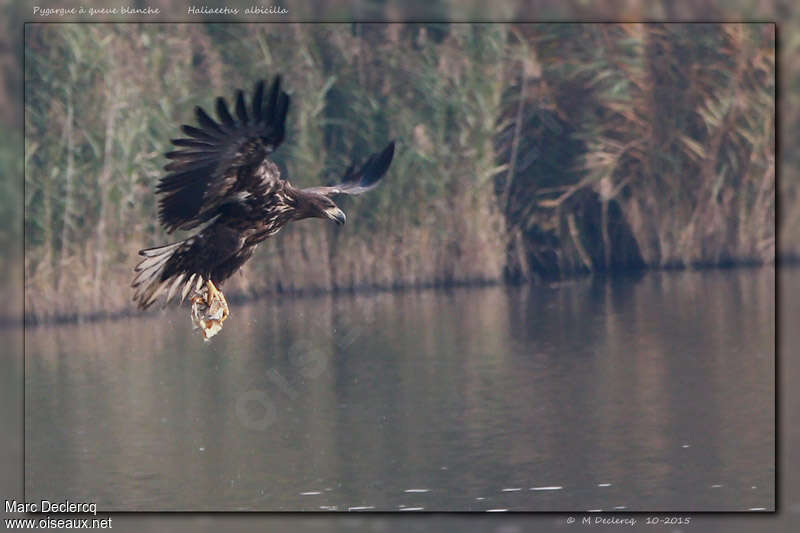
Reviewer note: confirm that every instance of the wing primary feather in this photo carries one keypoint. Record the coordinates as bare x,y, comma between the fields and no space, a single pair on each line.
197,133
207,122
279,122
274,93
241,108
188,154
191,143
225,115
200,158
182,178
186,166
363,179
377,166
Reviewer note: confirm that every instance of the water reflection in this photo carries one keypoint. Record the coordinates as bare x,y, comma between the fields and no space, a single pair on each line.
648,393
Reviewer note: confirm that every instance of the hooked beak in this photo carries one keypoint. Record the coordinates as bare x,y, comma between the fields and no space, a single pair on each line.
336,214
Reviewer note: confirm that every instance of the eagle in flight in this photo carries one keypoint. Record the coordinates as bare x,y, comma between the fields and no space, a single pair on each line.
221,183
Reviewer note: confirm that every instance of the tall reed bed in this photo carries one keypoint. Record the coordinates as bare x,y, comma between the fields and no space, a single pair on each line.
521,149
650,143
103,100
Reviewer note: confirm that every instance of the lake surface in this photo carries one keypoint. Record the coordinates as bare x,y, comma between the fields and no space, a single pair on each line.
653,392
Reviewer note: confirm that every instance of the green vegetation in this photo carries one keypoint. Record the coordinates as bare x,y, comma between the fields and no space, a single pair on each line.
655,144
523,150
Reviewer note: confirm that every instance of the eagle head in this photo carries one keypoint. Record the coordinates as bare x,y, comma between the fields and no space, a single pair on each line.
319,206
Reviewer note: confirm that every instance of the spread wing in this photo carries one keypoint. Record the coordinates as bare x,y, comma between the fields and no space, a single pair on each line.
221,158
363,179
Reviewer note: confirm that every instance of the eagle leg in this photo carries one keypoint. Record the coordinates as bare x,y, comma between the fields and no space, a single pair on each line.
215,294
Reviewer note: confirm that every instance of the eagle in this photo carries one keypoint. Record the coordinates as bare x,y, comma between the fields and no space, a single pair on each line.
222,184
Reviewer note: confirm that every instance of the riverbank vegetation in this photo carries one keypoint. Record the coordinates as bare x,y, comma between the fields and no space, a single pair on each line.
524,151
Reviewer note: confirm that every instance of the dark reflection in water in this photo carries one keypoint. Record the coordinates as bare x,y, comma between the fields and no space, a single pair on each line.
649,393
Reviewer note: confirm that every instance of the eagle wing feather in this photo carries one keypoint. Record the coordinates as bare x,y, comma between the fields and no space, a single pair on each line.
218,158
366,177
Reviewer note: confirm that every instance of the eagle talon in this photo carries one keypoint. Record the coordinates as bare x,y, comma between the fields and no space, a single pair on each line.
214,294
209,310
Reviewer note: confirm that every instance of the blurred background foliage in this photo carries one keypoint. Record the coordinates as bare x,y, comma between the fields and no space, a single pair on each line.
525,151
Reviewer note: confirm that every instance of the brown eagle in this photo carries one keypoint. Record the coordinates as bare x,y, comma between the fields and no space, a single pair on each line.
221,182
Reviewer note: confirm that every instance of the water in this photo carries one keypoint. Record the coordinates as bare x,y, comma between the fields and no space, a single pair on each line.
647,393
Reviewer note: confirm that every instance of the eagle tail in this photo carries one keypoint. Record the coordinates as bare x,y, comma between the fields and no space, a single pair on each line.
152,277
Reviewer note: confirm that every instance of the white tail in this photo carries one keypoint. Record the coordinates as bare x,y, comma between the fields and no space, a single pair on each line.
148,283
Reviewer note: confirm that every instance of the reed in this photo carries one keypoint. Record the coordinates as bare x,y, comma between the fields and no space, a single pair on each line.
523,150
643,143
